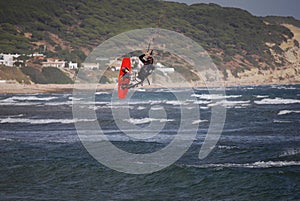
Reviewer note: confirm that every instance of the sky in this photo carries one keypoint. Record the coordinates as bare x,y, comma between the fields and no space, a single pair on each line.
258,7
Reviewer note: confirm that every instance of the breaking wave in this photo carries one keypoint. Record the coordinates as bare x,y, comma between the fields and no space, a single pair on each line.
231,104
276,101
215,96
146,120
284,112
29,98
290,152
258,164
42,121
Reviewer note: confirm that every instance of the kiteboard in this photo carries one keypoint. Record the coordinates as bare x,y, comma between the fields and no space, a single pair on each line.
124,78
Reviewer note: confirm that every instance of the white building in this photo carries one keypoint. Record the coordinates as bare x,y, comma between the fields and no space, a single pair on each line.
54,63
73,65
90,66
8,59
36,55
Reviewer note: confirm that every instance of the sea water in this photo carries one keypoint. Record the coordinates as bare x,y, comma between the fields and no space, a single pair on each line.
256,158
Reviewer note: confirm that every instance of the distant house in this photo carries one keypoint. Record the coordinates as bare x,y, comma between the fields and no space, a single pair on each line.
73,65
90,66
37,56
8,59
54,63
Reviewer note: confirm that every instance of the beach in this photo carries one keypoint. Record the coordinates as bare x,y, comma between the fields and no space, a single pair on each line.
16,88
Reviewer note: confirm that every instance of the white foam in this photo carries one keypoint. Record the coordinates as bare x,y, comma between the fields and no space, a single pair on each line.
42,121
290,152
17,115
145,102
215,96
176,102
201,102
146,120
199,121
102,93
281,121
284,112
156,108
29,98
30,101
122,106
227,147
14,103
231,104
74,98
149,102
140,90
89,102
258,164
284,87
268,164
5,139
141,108
276,101
233,96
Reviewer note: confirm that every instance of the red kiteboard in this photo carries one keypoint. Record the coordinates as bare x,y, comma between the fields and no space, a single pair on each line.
124,78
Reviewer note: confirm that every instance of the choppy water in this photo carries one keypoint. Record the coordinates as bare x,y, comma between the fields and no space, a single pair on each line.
256,158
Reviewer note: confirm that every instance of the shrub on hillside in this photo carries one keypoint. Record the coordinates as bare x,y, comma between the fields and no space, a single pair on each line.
48,75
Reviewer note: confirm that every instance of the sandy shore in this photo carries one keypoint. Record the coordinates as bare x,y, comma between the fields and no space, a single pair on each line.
68,88
50,88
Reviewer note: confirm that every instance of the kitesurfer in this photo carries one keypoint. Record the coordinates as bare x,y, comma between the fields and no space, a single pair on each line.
148,66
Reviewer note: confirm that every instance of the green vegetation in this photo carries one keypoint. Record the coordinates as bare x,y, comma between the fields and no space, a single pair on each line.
70,29
10,73
55,76
281,20
48,75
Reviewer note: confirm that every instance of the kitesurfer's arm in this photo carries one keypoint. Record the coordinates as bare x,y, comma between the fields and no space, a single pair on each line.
142,58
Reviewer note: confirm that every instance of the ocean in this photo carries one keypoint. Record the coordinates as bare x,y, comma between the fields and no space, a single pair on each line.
257,156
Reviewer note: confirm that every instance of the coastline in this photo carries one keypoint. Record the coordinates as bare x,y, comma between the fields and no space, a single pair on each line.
15,88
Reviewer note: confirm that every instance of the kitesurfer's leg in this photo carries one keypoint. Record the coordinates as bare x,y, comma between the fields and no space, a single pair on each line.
127,75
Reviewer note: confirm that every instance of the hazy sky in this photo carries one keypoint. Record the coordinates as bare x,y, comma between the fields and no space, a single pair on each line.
258,7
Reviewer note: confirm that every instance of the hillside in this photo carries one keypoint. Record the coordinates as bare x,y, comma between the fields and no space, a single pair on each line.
239,43
36,74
